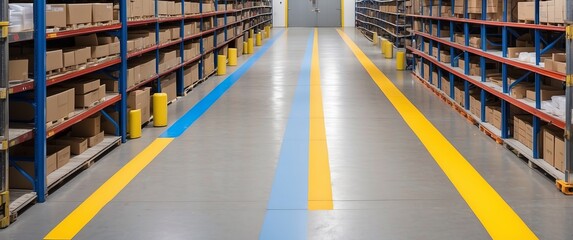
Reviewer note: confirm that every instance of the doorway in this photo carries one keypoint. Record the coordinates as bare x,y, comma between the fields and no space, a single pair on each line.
314,13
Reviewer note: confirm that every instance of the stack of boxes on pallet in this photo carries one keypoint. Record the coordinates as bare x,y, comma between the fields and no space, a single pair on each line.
442,58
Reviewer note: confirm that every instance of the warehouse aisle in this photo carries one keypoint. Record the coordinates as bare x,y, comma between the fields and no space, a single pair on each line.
216,179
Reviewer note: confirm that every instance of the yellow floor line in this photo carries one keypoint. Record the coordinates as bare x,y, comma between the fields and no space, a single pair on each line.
83,214
319,186
500,221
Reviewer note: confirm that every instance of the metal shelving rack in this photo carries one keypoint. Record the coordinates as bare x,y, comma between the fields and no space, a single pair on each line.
4,189
261,15
376,16
495,38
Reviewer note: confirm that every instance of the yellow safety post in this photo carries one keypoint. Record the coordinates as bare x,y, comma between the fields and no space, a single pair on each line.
251,33
388,49
375,38
232,56
245,48
134,123
400,60
382,45
250,46
160,109
259,39
221,65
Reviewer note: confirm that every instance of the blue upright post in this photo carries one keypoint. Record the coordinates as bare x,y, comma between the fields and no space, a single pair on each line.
504,119
483,99
157,50
40,99
122,84
536,130
180,81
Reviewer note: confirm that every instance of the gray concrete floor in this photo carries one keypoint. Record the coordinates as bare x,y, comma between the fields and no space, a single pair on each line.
214,181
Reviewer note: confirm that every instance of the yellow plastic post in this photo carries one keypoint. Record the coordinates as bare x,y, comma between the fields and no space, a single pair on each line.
245,48
221,65
388,50
400,60
134,123
251,46
259,39
251,33
375,38
382,45
160,109
232,56
267,35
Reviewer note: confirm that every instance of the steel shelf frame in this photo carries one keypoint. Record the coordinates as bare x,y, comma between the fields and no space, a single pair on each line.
505,30
381,22
4,124
39,132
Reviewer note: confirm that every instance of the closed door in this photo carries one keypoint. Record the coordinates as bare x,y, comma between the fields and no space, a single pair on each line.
314,13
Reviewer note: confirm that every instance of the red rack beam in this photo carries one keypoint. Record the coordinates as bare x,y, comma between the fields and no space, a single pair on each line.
494,23
71,33
479,52
542,115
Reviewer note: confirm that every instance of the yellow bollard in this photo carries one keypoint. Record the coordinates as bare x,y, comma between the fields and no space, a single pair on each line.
375,38
250,46
134,123
382,45
232,56
245,48
160,109
221,65
400,60
251,33
267,35
388,48
259,39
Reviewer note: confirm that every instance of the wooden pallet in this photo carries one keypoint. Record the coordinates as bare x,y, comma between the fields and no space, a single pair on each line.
525,21
55,72
104,23
490,134
565,187
552,24
56,122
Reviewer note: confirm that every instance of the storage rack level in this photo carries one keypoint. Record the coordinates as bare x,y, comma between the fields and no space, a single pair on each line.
4,133
471,55
212,39
385,18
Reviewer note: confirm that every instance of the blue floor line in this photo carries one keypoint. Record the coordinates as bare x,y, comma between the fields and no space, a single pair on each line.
286,216
184,122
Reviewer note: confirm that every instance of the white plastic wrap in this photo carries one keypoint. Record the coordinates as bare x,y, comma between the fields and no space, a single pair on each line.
16,21
559,102
549,107
22,14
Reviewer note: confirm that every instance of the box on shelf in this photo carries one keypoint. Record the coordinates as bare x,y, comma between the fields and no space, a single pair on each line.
82,55
519,91
475,41
549,136
79,13
164,35
63,153
445,56
88,99
97,50
88,127
525,11
18,69
69,58
513,52
559,11
543,10
493,116
139,99
96,139
523,129
169,86
559,62
175,33
459,94
54,60
83,86
102,12
191,75
56,15
546,92
77,145
162,8
114,48
475,105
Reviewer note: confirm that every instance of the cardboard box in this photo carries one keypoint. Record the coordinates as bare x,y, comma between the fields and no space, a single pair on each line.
79,13
526,11
102,92
178,8
130,45
559,13
513,52
77,145
543,10
545,94
102,12
169,86
559,153
83,86
69,58
162,8
54,60
88,127
175,33
549,146
164,35
18,69
88,99
519,91
82,55
56,15
111,85
100,51
96,139
139,99
190,75
62,154
114,48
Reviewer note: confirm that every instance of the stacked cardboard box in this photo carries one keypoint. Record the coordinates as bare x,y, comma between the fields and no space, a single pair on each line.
89,128
549,11
523,130
60,103
140,39
209,63
87,92
168,58
545,93
191,74
191,50
140,99
78,14
169,86
99,49
557,63
56,157
554,147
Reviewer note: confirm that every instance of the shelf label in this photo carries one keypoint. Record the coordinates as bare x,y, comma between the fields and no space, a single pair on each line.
52,35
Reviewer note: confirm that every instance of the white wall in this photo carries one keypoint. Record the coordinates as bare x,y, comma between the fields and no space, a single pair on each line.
279,13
